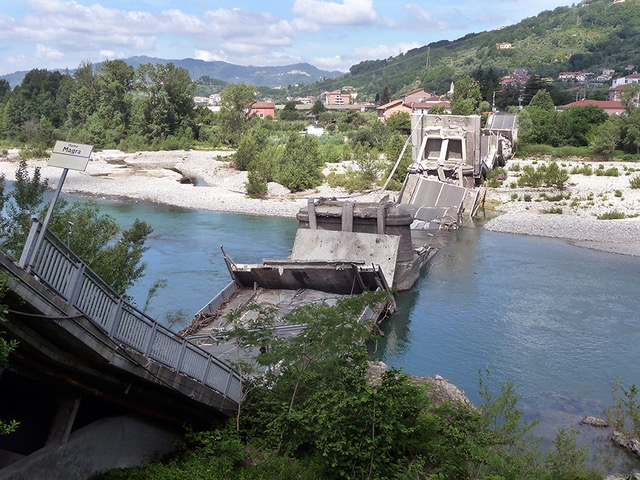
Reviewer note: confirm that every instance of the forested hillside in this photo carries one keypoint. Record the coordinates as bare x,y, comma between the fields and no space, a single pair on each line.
589,36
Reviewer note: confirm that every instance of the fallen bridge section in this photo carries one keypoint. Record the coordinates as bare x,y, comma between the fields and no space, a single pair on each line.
84,354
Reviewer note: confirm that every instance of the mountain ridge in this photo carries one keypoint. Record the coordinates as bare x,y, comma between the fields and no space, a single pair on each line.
269,76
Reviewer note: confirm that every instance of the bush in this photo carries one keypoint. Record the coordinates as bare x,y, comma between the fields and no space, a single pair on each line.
613,215
610,172
585,170
553,210
635,182
255,185
551,176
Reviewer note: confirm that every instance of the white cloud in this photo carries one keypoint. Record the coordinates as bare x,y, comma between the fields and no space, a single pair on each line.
357,55
47,53
349,12
421,19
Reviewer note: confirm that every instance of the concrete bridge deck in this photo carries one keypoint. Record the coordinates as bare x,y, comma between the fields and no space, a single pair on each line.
85,355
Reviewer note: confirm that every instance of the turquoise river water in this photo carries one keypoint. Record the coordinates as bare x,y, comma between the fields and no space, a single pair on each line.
558,321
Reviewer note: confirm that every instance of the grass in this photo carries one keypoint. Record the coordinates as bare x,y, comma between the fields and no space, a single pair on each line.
614,215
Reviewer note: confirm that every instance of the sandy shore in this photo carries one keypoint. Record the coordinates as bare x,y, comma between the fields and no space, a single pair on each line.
155,176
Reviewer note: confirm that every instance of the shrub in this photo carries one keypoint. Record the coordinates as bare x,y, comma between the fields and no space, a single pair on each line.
635,182
585,170
553,210
613,215
610,172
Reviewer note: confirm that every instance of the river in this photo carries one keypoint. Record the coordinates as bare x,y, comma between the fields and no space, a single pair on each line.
558,321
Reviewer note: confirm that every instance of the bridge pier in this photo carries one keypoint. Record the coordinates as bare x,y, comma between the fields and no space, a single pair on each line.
64,419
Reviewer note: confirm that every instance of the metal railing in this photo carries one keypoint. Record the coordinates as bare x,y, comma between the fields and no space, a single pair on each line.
62,271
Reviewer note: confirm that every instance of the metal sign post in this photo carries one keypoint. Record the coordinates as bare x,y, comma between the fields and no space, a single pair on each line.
74,156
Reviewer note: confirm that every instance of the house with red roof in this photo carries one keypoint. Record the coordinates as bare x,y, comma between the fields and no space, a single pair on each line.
263,110
611,107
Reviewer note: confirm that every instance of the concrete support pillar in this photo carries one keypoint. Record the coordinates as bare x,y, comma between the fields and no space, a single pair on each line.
347,217
311,207
382,219
63,420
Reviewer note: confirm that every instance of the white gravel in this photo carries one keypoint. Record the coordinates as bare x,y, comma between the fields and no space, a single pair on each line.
588,197
154,176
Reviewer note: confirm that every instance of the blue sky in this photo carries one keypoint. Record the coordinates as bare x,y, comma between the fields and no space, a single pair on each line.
330,34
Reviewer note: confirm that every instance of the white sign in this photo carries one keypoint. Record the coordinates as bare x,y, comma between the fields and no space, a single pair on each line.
74,156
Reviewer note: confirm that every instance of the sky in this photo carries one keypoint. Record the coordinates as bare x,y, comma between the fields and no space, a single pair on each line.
332,35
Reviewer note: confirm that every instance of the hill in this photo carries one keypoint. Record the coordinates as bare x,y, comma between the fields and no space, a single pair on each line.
590,36
227,72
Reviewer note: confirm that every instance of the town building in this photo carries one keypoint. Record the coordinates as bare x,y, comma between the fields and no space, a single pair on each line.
611,107
263,110
415,101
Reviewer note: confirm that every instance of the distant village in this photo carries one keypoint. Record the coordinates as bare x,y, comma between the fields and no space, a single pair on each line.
422,101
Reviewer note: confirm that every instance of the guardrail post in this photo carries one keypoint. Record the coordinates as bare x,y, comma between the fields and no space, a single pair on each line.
183,349
27,251
114,321
229,380
152,336
206,370
74,286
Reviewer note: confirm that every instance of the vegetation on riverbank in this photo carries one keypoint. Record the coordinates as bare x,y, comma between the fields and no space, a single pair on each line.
319,415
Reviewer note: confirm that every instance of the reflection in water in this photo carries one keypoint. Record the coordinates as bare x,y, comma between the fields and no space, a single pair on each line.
558,321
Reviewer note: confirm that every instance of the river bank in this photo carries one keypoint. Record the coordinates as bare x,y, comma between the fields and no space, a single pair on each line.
574,217
155,176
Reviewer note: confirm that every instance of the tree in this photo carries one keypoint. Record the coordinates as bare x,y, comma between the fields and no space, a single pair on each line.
400,122
318,108
606,138
630,131
114,254
289,112
5,87
576,124
542,99
167,105
300,165
385,96
251,146
629,95
111,252
235,101
466,97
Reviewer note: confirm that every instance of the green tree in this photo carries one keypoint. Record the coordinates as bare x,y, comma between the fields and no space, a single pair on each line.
318,108
466,97
233,117
542,99
385,96
438,79
400,122
629,95
251,146
630,131
166,106
606,138
300,166
289,112
113,253
577,124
